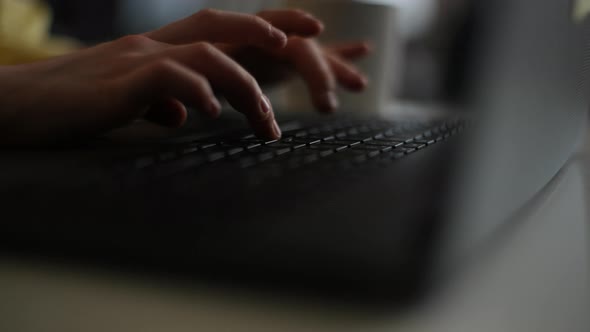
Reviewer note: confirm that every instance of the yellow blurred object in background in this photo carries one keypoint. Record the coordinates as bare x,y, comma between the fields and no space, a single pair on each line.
24,33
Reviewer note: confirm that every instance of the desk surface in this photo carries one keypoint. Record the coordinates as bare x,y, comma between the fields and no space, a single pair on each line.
538,280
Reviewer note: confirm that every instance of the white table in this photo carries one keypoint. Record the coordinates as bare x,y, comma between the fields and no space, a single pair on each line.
538,280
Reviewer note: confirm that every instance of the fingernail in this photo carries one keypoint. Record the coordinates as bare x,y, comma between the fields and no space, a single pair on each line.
321,27
265,105
330,101
365,80
362,84
215,108
276,129
278,35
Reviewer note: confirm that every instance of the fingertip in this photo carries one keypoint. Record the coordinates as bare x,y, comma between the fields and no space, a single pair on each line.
214,108
313,27
359,84
327,102
320,27
267,130
176,119
183,116
313,22
278,37
364,81
276,129
171,113
367,47
263,121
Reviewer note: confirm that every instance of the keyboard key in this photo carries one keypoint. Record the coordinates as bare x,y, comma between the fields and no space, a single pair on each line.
408,150
367,147
215,156
382,143
395,144
298,146
386,149
278,145
314,141
402,139
425,141
252,146
417,146
234,151
326,153
398,155
301,134
341,135
246,162
353,144
145,162
357,152
265,156
190,150
361,159
282,151
311,158
338,143
206,146
167,156
374,154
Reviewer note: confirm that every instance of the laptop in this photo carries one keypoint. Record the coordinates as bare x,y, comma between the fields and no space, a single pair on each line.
345,205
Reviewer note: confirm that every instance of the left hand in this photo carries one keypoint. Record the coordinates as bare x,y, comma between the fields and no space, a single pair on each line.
321,67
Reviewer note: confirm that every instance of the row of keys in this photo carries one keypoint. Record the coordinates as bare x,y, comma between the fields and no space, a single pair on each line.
367,140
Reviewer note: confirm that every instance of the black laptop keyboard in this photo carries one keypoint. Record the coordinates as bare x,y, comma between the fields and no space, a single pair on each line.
352,142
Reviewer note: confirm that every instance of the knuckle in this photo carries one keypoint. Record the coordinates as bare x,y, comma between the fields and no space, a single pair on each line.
300,47
299,42
263,13
299,11
206,14
205,48
198,77
330,81
260,23
134,41
250,82
162,66
201,83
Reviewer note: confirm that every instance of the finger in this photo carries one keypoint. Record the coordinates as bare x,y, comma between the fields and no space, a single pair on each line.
310,63
351,51
234,82
346,74
221,27
293,22
170,113
165,79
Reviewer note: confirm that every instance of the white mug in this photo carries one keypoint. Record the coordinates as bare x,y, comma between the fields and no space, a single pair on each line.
349,20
